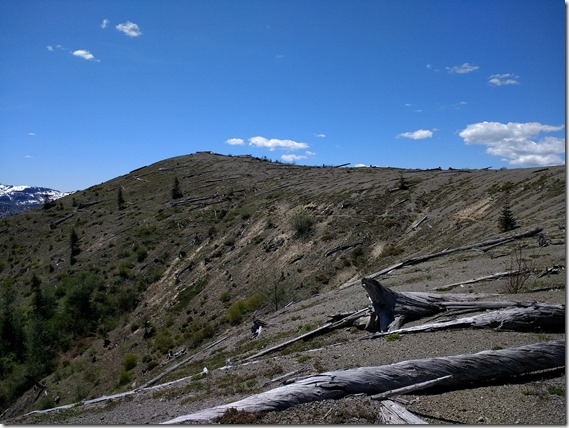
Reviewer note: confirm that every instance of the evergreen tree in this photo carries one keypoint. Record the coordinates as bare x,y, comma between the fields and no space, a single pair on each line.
74,244
507,221
176,191
120,199
11,324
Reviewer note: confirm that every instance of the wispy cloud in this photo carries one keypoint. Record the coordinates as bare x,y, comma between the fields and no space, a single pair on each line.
86,55
420,134
275,143
462,69
294,158
32,134
105,23
516,142
50,48
129,28
503,79
320,135
235,141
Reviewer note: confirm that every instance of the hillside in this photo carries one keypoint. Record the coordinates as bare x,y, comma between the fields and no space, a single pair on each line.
100,288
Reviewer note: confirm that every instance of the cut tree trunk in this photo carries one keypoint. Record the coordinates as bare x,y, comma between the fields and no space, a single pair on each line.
464,369
388,304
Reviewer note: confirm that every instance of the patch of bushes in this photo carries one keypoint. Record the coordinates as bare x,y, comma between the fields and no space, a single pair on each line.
129,361
243,306
163,340
302,224
391,250
124,377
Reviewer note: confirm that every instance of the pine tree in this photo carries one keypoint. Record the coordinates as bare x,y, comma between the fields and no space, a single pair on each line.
507,221
74,244
120,199
176,191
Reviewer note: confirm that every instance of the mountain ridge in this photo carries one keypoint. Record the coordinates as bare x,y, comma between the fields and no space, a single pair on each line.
19,198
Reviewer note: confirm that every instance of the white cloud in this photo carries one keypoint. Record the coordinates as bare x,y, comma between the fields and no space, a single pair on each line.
50,48
274,143
320,135
420,134
81,53
105,23
292,158
129,28
32,134
516,142
462,69
235,141
503,79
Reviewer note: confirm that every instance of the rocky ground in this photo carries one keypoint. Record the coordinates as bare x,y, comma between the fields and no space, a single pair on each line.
536,399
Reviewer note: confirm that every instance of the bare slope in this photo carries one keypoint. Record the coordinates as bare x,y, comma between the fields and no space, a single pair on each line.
250,236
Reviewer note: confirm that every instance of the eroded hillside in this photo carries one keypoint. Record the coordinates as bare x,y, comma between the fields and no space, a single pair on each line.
181,253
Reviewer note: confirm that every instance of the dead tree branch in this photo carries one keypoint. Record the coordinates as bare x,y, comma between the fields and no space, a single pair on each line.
395,414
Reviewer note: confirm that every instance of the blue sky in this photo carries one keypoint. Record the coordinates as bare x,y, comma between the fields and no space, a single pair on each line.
91,90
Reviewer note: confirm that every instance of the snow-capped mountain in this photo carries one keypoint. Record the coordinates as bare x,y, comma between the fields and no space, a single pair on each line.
16,199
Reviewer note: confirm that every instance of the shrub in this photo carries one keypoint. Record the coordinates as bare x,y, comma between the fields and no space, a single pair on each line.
124,377
302,223
225,297
243,306
391,250
163,340
129,361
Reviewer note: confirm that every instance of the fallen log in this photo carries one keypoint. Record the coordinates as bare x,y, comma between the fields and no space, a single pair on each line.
539,317
419,259
342,248
492,277
464,369
329,326
388,304
177,365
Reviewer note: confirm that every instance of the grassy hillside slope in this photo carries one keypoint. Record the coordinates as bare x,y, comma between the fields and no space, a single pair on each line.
99,288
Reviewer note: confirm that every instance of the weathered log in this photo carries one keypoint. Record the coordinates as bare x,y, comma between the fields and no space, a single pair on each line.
415,260
387,304
181,363
395,414
492,277
540,317
329,326
464,369
54,223
341,248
